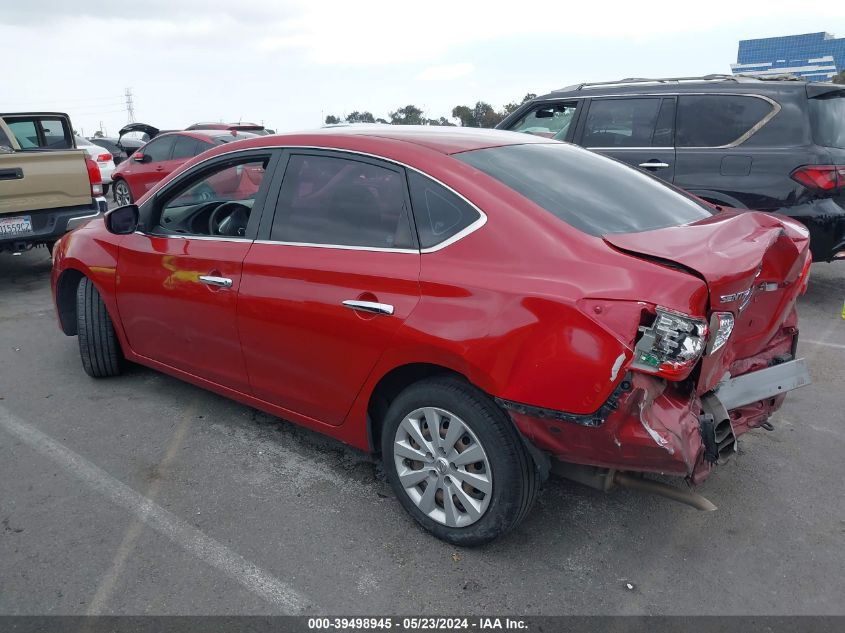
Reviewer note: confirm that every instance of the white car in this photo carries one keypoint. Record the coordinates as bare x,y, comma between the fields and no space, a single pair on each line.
101,156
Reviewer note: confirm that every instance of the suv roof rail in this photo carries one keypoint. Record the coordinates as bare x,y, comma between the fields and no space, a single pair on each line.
667,80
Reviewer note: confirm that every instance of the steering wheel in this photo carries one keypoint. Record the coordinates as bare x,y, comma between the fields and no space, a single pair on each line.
220,223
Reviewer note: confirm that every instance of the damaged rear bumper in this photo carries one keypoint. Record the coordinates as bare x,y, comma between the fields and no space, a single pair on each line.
656,426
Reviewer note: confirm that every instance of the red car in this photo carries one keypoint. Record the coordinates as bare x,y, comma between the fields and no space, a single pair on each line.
477,305
161,156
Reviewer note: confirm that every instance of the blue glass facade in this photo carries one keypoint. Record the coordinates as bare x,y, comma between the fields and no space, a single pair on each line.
812,56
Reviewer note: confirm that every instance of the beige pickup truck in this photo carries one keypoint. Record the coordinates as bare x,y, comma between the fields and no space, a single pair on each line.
47,186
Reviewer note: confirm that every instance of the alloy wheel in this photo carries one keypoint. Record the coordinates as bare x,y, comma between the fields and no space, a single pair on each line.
121,194
443,467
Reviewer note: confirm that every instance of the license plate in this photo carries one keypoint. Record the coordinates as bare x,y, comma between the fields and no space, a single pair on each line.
20,225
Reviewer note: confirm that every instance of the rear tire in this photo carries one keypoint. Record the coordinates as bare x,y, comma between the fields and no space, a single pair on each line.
506,482
98,344
122,193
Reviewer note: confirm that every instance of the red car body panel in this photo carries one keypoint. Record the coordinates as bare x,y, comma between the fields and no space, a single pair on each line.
527,308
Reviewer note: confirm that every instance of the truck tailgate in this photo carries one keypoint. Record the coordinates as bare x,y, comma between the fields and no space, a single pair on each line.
33,180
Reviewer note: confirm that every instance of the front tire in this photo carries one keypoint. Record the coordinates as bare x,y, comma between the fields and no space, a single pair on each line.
456,462
98,344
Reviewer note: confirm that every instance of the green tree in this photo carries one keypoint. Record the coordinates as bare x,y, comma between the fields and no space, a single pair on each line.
513,105
840,78
442,121
409,115
332,120
360,117
481,115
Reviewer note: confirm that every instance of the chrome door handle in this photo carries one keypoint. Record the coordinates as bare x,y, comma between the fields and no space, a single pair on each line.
219,282
369,306
654,165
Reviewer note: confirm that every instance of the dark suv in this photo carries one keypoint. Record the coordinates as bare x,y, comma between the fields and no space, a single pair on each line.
763,144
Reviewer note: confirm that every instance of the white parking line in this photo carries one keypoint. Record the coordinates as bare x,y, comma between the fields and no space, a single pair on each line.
256,580
822,343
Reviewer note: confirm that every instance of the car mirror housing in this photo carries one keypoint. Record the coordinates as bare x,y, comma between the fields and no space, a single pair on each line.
140,157
123,220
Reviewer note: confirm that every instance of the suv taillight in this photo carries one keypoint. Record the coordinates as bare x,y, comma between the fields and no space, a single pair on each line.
820,178
671,346
103,158
94,178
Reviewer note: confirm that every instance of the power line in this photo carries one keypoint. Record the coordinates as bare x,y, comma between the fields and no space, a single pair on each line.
28,101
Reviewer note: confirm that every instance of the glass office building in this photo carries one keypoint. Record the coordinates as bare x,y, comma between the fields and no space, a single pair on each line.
812,56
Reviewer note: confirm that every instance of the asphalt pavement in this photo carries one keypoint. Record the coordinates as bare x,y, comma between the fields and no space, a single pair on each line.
145,495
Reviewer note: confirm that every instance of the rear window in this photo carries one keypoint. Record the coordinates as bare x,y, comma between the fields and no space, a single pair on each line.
232,136
827,116
595,194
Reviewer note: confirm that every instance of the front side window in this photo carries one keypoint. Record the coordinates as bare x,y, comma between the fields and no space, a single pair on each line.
621,122
217,203
342,202
827,115
551,121
593,193
717,120
159,149
439,214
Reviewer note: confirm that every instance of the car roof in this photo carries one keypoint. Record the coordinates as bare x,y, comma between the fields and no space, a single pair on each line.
444,139
206,134
706,83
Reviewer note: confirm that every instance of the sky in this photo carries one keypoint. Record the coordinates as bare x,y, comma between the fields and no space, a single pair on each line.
289,63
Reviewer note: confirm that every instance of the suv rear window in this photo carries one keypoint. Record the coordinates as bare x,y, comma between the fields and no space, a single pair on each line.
827,116
717,120
593,193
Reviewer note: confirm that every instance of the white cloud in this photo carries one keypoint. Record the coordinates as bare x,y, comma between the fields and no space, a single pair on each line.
446,72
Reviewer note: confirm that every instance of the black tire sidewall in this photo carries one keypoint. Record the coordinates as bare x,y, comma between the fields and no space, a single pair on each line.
504,450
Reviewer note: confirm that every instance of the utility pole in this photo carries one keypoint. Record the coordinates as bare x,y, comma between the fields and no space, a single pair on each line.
130,106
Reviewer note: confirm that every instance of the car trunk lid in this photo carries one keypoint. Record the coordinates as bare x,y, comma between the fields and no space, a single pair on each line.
750,261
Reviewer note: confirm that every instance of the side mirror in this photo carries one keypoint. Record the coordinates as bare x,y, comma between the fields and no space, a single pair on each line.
140,157
123,220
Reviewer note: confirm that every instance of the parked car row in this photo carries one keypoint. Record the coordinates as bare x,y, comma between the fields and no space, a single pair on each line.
478,306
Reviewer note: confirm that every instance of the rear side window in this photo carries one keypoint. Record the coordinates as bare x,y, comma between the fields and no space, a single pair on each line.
55,134
827,116
187,147
593,193
621,122
341,202
550,121
438,213
717,120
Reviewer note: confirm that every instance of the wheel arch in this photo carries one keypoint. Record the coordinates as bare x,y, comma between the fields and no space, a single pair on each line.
390,385
66,287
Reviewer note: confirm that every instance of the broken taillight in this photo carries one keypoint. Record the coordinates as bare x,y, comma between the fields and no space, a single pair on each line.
721,326
671,346
820,178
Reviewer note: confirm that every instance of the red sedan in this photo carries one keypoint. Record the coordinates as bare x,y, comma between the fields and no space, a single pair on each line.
478,306
163,155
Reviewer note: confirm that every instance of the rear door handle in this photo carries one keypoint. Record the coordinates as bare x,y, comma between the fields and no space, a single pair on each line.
369,306
654,164
218,282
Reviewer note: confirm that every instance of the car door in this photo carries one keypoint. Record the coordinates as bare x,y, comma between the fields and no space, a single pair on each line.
178,277
153,165
335,277
636,130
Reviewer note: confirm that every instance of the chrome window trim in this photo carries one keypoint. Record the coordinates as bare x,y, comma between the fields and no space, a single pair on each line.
634,148
204,238
776,107
481,221
376,249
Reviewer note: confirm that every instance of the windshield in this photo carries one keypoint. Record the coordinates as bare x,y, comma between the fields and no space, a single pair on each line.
595,194
827,115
